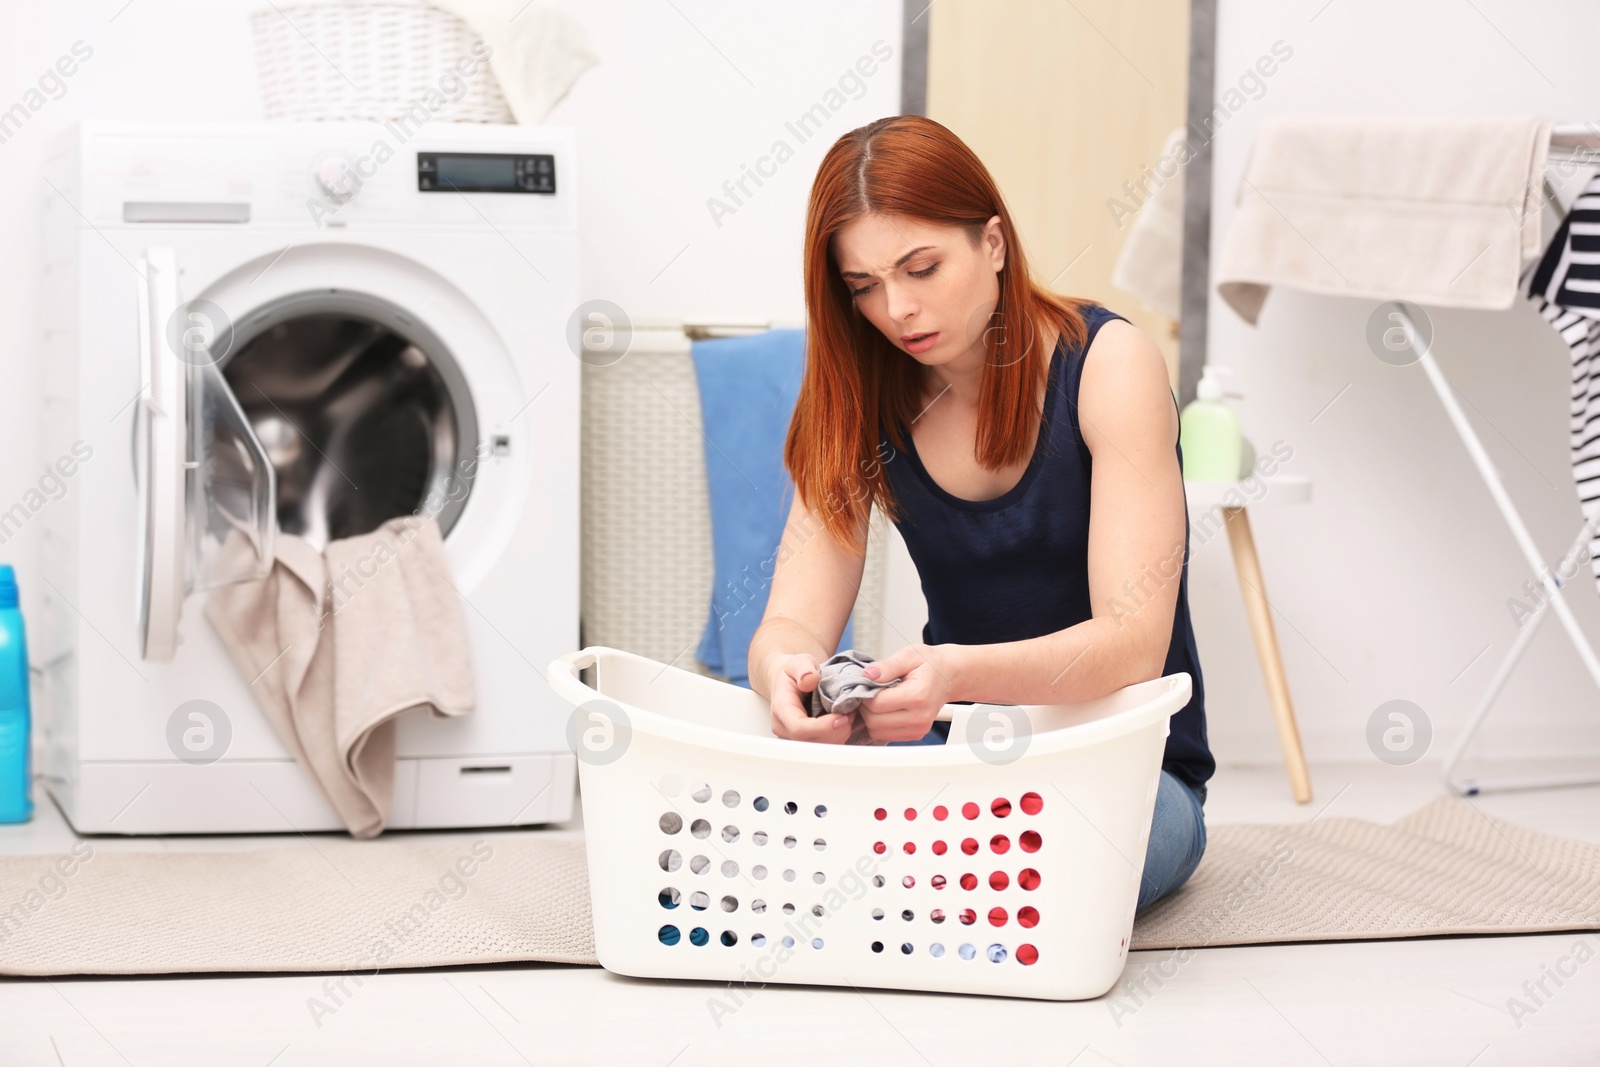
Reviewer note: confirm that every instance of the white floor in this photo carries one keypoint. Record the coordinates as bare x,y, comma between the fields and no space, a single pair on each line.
1435,1001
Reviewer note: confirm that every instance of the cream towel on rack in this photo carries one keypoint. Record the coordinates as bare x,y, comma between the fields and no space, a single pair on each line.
538,50
338,643
1436,209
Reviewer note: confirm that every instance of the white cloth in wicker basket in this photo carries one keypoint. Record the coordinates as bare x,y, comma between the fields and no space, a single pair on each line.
539,50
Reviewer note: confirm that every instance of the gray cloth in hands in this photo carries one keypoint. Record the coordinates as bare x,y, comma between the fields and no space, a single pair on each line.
842,685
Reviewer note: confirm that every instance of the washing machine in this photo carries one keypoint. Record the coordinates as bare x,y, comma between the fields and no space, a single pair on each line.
260,330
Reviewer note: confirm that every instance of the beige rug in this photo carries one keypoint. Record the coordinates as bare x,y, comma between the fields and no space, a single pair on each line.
1447,868
347,905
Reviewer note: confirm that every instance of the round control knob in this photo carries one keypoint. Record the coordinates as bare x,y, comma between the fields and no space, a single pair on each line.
337,177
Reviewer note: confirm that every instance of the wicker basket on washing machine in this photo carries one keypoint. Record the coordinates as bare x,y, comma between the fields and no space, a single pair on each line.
373,62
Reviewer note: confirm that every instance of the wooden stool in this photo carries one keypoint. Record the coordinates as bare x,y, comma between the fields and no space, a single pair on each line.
1232,499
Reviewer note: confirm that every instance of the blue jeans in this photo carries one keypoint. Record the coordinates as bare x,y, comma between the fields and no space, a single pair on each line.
1177,830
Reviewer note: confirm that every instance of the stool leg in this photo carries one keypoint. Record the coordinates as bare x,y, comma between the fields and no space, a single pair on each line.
1266,638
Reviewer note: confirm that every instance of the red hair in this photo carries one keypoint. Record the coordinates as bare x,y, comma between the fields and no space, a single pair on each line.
858,387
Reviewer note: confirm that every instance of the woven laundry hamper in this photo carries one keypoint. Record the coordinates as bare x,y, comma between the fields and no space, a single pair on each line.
365,62
648,565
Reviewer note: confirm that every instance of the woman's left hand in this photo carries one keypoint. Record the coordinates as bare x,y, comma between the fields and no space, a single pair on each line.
905,712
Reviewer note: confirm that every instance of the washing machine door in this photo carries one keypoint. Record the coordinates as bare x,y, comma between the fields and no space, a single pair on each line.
205,488
364,412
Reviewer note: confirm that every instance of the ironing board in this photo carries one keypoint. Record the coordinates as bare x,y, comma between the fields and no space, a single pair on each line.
1567,142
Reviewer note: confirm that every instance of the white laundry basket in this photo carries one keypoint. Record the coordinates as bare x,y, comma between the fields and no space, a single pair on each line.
719,851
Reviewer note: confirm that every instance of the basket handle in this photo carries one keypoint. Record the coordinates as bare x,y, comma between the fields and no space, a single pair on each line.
563,675
949,712
573,662
564,670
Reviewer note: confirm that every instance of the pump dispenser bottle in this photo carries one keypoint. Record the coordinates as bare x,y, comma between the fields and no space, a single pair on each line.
1209,434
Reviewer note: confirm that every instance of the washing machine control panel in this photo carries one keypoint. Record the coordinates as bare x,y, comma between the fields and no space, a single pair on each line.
485,172
322,175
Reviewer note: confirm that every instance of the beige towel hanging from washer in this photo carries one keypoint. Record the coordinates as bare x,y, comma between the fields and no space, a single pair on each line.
339,643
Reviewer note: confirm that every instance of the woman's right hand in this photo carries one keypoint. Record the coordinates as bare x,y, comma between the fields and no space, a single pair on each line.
791,683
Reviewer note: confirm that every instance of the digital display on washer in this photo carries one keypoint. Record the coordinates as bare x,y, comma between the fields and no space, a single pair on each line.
485,172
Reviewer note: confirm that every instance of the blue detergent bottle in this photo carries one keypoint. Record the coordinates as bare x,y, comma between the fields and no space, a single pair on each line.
16,803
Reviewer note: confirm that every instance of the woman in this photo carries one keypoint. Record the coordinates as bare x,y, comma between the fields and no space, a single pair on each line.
1024,444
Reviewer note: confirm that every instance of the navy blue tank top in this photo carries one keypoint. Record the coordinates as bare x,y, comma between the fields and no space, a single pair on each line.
1017,566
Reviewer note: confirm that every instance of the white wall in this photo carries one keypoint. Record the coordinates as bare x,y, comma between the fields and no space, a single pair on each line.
685,96
1397,574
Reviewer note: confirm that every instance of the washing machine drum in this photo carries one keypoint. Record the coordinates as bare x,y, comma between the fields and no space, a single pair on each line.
362,411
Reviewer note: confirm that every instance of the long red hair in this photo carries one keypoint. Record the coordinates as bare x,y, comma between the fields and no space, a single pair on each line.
858,388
